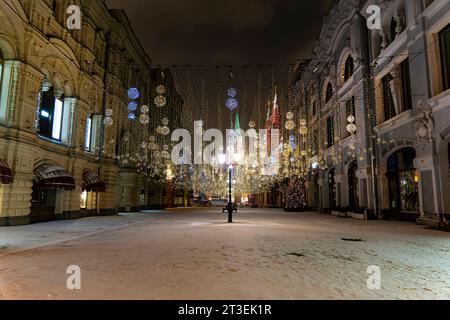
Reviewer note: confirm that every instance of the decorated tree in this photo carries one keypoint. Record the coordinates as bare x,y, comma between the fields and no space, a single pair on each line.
296,194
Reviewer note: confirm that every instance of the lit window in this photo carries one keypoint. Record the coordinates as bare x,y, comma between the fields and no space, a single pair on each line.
51,115
57,120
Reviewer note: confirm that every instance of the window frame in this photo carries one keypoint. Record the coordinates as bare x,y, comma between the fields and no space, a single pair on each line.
445,65
88,135
405,72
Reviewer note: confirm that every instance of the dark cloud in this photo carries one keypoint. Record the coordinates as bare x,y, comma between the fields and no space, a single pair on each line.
225,32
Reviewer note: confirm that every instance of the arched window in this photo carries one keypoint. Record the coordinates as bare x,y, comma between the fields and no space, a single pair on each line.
403,181
349,68
329,93
51,115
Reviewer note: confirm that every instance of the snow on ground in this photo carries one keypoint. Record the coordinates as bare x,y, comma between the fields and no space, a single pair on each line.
186,254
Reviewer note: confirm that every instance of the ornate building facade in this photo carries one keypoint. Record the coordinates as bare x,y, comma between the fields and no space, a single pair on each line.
377,104
59,158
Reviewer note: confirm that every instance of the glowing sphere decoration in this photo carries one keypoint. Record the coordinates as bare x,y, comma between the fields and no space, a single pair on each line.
132,106
133,93
160,101
160,89
144,119
231,104
145,109
131,116
232,92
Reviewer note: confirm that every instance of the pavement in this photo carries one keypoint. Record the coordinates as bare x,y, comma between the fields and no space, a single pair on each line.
195,254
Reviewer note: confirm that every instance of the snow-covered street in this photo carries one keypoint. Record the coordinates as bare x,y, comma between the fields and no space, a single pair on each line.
194,254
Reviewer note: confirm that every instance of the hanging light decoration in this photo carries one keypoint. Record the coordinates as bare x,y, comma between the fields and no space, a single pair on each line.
108,121
133,94
160,101
351,127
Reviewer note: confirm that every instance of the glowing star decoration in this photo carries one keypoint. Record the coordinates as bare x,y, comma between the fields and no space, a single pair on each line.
160,89
133,93
132,106
160,101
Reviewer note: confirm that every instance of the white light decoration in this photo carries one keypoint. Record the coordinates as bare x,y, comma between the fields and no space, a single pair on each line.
290,125
165,121
351,127
289,115
145,109
160,101
144,119
161,89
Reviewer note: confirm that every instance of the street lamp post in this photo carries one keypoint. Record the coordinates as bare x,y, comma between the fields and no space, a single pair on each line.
230,203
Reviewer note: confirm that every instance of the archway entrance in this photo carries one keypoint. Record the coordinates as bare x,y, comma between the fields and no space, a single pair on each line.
49,181
353,194
403,181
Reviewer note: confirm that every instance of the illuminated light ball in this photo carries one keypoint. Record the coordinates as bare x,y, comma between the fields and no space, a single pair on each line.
133,93
108,121
131,116
292,138
160,89
252,124
160,101
144,119
152,139
165,147
232,92
132,106
232,104
289,115
350,119
351,128
165,121
144,145
290,125
303,130
152,146
303,122
165,154
109,112
145,109
165,130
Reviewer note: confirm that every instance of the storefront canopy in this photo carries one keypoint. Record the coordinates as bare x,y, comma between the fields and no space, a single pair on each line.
53,177
92,182
6,176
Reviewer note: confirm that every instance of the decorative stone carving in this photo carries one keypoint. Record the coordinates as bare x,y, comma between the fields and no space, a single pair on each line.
424,124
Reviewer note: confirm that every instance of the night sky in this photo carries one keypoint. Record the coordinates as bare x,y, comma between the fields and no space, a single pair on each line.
214,32
231,32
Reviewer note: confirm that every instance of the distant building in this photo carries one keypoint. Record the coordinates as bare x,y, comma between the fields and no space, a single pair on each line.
55,85
395,83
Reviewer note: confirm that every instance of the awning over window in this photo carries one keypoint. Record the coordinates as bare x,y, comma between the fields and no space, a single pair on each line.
6,175
92,182
52,177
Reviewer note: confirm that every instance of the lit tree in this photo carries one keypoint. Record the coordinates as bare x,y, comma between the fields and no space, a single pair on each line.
296,194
